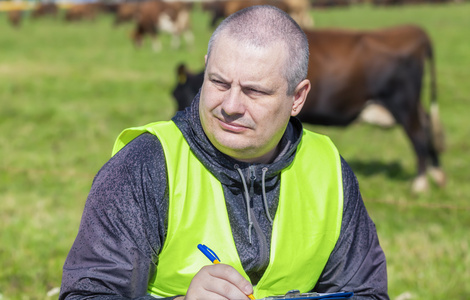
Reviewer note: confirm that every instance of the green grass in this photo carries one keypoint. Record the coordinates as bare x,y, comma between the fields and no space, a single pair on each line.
67,90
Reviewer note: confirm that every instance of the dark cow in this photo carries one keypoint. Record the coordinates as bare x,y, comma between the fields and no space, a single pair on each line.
348,68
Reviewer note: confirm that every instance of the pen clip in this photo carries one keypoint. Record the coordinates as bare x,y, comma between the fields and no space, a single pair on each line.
208,252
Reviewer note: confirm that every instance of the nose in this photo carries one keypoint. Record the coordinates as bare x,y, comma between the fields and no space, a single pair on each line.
233,103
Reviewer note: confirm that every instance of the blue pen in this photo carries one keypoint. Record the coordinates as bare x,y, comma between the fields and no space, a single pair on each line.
209,253
214,258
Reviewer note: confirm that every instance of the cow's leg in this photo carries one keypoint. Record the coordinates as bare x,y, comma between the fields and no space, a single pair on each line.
418,129
418,137
138,35
189,37
137,39
438,175
411,118
175,40
156,44
403,101
184,27
434,170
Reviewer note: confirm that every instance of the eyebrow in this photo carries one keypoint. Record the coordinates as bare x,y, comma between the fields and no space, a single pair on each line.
214,75
249,85
261,88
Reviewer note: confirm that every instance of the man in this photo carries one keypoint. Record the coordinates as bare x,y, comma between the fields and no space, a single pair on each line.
236,172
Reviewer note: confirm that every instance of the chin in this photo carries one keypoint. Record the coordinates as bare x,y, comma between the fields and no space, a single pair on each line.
230,148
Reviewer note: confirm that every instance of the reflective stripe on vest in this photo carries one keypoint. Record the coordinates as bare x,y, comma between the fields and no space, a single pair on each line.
305,229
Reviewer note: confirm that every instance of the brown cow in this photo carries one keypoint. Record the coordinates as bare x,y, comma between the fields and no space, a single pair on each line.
176,20
44,9
126,11
155,15
299,10
78,12
146,22
15,16
349,68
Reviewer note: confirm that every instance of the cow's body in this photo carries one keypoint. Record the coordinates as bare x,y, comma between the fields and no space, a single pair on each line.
349,68
358,66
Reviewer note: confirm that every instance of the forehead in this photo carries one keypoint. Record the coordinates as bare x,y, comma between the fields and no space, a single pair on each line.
230,55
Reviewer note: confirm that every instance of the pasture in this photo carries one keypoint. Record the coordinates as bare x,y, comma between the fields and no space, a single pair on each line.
68,89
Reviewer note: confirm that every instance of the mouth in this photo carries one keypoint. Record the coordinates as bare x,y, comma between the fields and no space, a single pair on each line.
232,126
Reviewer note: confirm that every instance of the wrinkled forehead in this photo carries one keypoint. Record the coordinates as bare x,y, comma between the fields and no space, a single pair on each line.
260,39
248,65
229,43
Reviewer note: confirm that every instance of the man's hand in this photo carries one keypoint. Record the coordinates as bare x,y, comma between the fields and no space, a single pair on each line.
218,281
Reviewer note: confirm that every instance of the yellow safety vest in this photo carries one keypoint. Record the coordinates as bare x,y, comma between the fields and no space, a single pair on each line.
305,228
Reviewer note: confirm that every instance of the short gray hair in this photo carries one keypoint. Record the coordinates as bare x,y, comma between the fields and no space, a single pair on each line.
264,25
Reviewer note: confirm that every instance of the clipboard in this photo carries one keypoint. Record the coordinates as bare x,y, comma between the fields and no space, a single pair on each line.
296,295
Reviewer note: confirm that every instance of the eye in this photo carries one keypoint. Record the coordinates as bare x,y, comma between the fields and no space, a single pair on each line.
220,83
254,91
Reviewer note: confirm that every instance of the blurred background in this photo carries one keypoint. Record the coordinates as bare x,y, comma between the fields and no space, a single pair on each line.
74,75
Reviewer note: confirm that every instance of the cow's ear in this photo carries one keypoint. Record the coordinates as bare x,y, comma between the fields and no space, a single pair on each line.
300,95
182,77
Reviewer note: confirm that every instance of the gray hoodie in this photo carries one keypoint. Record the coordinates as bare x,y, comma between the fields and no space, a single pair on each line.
124,222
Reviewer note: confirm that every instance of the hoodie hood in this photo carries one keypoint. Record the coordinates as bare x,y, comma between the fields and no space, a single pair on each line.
224,167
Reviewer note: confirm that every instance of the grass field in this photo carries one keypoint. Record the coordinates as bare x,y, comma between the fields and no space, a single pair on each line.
67,90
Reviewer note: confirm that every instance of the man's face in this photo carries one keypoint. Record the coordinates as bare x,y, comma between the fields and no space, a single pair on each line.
244,106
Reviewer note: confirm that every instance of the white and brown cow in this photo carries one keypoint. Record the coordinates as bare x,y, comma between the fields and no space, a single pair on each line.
154,16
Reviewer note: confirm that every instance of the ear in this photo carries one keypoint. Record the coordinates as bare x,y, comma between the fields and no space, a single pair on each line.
300,95
205,60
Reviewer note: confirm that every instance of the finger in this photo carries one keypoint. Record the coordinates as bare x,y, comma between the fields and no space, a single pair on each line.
218,282
222,289
228,273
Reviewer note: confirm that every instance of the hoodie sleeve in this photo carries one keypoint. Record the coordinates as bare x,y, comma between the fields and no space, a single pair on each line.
357,262
122,226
